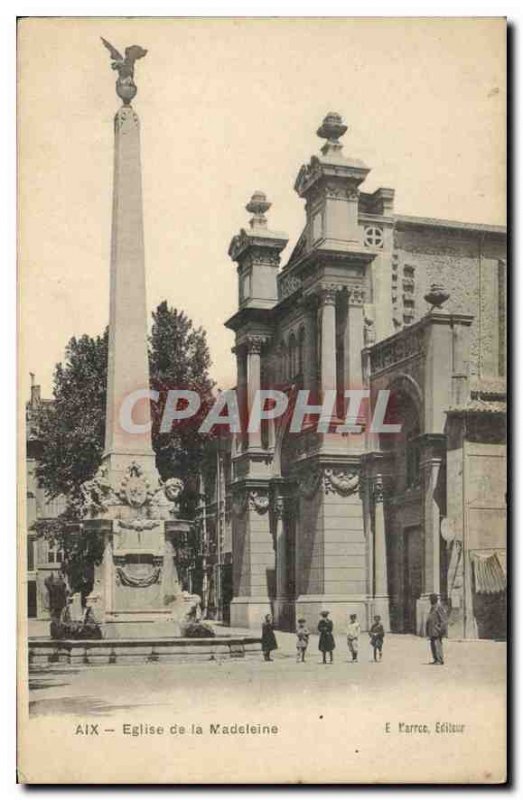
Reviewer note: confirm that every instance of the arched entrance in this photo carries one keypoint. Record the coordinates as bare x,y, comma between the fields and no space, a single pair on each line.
404,504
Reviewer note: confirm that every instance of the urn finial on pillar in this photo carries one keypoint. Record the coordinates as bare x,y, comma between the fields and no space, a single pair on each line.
436,296
331,129
258,205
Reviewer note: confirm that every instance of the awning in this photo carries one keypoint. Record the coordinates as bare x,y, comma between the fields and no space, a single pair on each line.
489,572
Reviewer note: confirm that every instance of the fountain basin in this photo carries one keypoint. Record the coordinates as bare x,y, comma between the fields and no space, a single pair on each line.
48,652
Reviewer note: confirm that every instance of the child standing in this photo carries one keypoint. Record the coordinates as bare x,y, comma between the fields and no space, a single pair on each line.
377,635
353,633
326,643
302,640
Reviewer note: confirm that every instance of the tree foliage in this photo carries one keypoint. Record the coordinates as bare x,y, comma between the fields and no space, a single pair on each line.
72,428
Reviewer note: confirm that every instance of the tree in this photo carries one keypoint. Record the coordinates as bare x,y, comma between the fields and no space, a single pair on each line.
72,428
179,359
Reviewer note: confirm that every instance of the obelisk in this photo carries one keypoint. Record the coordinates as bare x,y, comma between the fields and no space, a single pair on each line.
128,369
136,592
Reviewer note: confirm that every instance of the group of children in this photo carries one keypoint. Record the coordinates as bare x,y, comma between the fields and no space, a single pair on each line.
326,643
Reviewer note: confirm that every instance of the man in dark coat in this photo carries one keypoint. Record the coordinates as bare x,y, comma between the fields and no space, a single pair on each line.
326,642
436,628
268,638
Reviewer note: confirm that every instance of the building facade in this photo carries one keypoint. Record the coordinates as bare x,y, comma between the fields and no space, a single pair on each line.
42,556
364,522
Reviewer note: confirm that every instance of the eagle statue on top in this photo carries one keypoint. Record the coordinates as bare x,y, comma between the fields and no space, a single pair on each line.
125,86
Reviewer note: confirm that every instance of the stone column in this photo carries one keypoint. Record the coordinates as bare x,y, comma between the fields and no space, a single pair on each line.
327,296
310,374
241,392
254,346
354,340
278,510
381,596
432,454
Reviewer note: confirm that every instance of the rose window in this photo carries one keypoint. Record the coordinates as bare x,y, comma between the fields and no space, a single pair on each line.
373,236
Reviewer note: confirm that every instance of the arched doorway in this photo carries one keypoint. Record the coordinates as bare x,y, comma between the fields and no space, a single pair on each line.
404,504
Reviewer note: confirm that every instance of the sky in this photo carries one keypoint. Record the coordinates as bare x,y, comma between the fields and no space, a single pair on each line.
228,107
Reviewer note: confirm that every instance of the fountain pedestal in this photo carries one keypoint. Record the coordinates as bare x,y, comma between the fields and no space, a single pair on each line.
136,590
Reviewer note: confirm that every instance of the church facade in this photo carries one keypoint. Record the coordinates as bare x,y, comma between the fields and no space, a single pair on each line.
364,522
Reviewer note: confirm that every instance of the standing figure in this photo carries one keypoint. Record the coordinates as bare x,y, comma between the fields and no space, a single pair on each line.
377,635
302,640
268,638
326,643
436,628
57,592
353,634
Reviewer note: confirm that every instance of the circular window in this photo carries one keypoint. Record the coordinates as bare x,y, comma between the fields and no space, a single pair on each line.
373,236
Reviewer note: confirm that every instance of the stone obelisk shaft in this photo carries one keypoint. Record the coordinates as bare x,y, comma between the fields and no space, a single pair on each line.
128,368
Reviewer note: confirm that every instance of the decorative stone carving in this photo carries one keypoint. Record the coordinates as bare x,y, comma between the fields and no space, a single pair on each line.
255,344
138,576
264,256
259,501
356,295
278,506
369,332
97,495
138,524
135,489
378,491
288,286
373,236
173,488
341,481
406,344
327,295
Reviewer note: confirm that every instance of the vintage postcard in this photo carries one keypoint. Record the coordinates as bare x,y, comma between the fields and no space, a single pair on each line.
262,400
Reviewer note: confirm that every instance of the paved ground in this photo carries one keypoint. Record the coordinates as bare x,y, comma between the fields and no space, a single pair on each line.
405,668
333,723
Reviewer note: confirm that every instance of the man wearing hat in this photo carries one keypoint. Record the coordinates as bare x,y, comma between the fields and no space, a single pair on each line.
436,628
326,643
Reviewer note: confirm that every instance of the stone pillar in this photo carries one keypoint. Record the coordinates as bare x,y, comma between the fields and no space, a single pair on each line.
353,340
253,556
310,368
381,590
278,523
128,367
327,298
432,454
254,346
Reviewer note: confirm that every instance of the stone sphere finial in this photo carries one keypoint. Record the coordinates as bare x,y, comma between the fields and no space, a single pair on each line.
331,129
258,205
436,296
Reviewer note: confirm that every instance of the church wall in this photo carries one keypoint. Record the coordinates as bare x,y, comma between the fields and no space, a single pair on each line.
469,265
344,545
310,546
